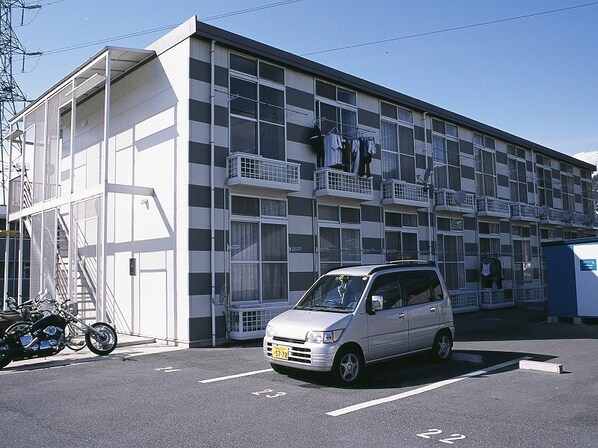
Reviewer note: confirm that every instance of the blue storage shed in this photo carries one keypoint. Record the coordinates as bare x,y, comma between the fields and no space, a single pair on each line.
572,277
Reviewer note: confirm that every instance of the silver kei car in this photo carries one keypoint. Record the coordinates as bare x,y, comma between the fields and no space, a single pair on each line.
356,316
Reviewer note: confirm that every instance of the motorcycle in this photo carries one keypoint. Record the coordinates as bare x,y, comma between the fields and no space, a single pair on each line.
59,327
27,311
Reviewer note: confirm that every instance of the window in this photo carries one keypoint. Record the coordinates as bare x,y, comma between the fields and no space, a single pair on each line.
517,174
485,162
258,250
389,287
567,187
451,256
489,235
340,237
397,143
522,257
445,148
399,289
401,236
257,106
545,193
336,109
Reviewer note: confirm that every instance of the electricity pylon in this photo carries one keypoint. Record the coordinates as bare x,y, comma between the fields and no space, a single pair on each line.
10,92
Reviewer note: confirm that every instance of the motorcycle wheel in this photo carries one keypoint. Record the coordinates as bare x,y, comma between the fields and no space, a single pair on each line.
74,337
14,331
103,342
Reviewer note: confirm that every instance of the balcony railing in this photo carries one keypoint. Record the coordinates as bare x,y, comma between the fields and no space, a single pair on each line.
549,215
403,193
496,298
257,171
489,206
464,301
523,212
331,182
249,322
451,200
530,294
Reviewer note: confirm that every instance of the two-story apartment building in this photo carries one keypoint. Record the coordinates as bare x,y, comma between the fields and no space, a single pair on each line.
194,189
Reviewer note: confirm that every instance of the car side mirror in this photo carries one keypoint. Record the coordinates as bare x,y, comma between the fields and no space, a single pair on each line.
377,303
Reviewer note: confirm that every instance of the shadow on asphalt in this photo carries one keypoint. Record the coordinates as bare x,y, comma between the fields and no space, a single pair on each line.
418,370
519,324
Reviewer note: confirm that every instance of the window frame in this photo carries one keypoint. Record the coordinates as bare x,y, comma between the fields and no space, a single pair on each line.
261,219
347,256
262,117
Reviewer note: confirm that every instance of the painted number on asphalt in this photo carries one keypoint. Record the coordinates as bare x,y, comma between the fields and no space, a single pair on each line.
269,393
434,432
168,369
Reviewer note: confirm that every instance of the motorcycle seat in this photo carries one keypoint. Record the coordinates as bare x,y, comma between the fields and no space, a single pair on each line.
10,315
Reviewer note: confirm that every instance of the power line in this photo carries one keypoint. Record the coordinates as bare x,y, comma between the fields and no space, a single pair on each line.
447,30
165,28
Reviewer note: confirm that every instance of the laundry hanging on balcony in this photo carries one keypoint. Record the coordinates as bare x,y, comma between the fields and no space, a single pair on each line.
349,154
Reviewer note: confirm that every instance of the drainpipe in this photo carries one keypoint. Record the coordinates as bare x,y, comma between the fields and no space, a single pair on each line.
212,230
432,203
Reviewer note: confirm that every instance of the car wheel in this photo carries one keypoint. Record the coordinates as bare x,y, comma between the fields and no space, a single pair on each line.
443,347
348,366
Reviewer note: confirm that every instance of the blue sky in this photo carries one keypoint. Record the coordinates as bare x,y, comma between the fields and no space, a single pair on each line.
520,66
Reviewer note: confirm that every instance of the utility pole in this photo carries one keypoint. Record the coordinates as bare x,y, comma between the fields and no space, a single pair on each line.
10,92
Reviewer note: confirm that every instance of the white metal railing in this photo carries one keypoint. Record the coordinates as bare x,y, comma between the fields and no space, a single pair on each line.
331,182
524,212
496,298
493,207
454,200
550,215
404,193
249,322
530,294
250,169
464,301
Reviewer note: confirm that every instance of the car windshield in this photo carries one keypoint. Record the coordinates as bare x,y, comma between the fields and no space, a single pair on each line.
338,293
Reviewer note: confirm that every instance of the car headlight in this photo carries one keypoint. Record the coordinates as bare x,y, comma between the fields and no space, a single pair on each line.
323,337
269,331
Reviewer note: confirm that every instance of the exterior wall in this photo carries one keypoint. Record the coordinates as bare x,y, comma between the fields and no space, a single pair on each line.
302,205
159,248
147,148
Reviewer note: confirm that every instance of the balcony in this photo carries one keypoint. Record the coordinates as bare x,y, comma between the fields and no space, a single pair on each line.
257,171
331,182
454,201
249,322
580,220
403,193
549,215
489,206
524,212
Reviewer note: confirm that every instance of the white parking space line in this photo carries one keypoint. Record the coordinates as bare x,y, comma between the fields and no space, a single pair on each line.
231,377
421,390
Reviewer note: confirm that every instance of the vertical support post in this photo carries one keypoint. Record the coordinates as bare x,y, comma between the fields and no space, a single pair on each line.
73,261
7,238
44,165
102,279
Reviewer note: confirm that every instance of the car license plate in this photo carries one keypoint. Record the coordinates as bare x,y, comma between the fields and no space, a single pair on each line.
280,352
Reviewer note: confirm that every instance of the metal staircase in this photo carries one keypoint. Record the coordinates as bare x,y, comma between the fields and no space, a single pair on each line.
82,282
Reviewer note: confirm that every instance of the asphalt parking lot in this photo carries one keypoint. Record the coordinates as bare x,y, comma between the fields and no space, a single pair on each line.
228,396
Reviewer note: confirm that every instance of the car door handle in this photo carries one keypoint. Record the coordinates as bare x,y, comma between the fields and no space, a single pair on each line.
433,309
401,316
